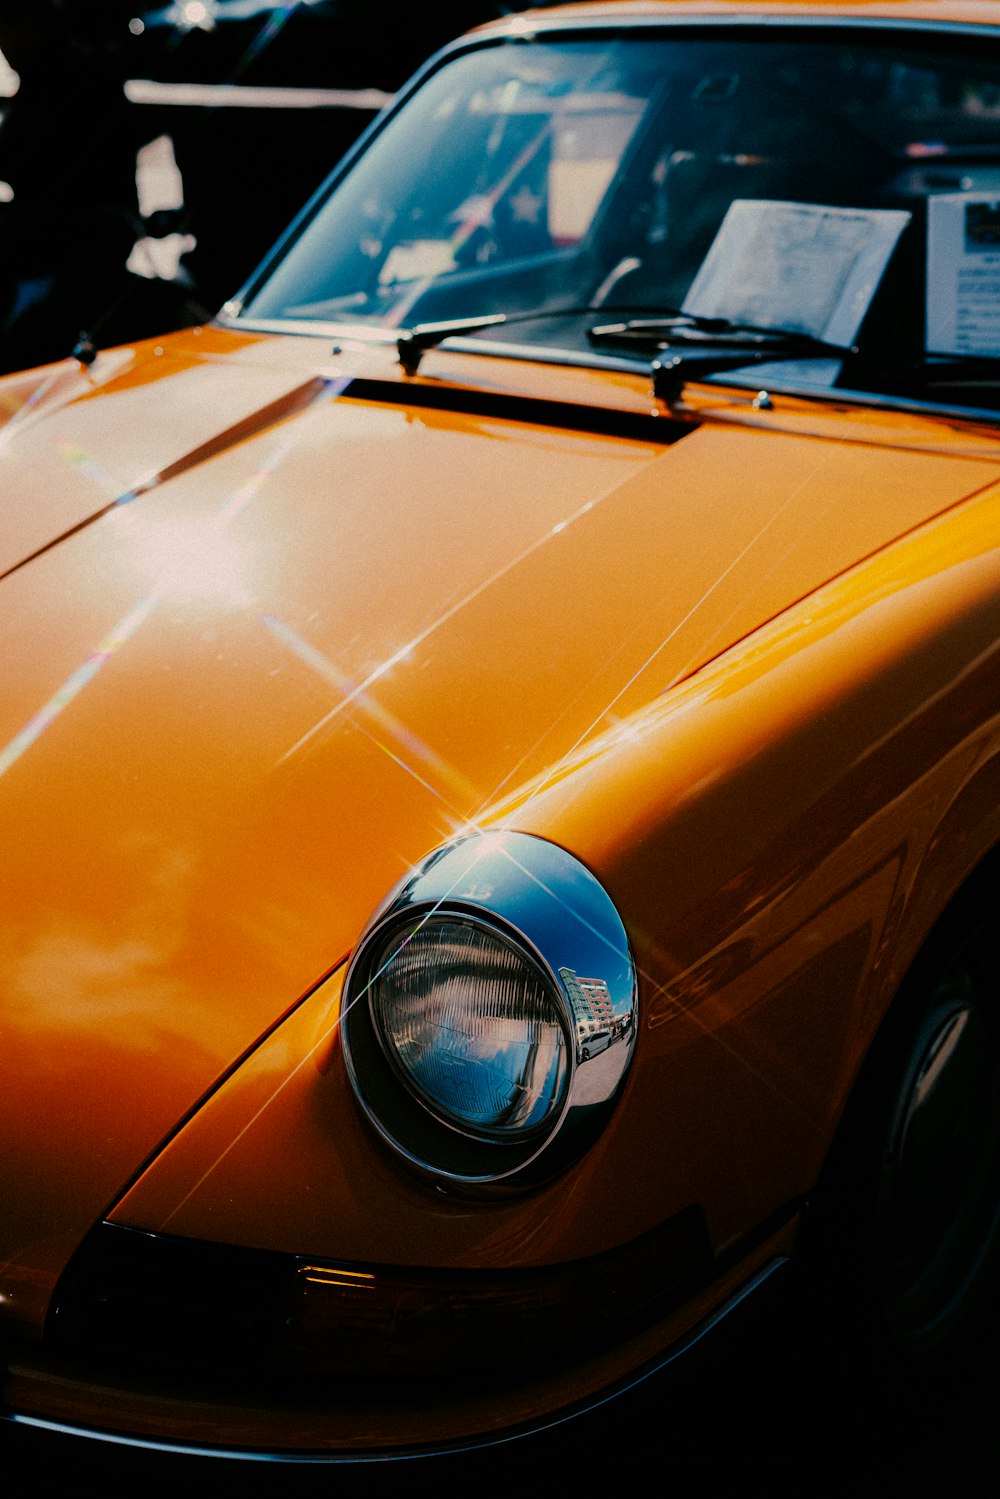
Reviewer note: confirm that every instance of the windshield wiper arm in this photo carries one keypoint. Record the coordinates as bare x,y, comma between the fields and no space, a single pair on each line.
671,375
711,345
411,343
668,328
665,328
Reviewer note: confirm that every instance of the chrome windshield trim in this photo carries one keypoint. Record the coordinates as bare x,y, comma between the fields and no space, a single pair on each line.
309,328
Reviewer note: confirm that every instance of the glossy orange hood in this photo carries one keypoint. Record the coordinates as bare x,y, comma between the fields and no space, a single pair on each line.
308,637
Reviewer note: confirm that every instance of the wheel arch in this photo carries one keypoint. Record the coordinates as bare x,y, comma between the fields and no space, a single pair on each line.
870,1221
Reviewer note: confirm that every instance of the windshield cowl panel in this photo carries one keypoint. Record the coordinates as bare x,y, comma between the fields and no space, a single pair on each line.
806,189
846,417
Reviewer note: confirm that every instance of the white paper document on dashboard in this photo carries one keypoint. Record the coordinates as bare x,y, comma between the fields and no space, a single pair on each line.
798,267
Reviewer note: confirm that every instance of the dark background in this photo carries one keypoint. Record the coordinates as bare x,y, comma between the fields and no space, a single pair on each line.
70,134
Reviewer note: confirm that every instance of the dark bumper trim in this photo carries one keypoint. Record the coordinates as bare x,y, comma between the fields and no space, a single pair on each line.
744,1305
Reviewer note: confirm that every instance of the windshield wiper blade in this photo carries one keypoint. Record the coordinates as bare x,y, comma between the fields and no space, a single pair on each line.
663,329
686,330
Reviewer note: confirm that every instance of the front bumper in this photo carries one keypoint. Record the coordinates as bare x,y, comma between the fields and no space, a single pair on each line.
184,1397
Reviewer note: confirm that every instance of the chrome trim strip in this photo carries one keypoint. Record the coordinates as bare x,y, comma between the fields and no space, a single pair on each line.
308,327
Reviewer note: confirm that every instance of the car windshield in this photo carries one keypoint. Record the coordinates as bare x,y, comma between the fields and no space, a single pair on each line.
614,194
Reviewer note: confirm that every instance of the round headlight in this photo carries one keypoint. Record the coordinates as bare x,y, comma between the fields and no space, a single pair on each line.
471,1024
489,1014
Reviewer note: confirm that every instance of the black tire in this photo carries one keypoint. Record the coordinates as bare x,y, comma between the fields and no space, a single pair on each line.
902,1237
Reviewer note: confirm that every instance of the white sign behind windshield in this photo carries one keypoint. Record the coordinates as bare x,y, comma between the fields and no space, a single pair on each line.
798,267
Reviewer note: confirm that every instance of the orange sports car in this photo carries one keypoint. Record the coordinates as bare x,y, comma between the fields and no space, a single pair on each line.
500,752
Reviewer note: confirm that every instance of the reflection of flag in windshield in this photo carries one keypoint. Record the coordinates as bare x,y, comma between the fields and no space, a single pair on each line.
476,214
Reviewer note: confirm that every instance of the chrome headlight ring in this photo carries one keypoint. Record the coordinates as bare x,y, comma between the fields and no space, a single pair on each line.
489,1014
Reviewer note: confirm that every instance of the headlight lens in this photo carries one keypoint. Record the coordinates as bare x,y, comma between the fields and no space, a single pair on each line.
471,1025
470,1006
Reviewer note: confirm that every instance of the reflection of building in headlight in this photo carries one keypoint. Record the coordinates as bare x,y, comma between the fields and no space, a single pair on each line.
589,1002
